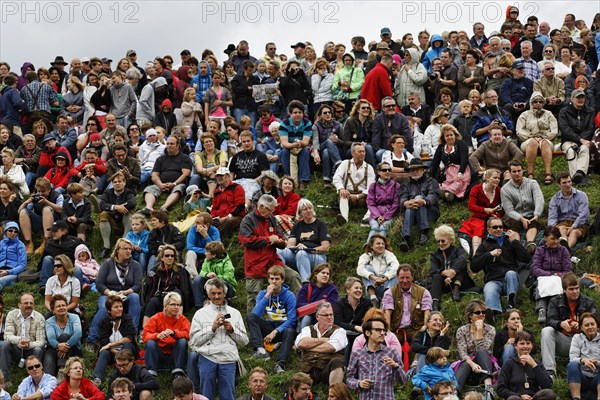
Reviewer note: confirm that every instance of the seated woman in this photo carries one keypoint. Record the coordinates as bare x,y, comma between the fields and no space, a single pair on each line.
504,341
14,172
295,132
308,243
162,233
60,175
474,342
398,157
450,165
63,333
217,264
287,204
327,146
377,267
9,201
349,311
168,276
359,128
75,386
383,201
64,283
206,162
116,333
448,267
269,184
521,377
583,375
319,287
434,336
484,202
549,259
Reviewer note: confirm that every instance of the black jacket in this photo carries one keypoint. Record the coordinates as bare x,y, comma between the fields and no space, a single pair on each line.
576,124
105,329
141,378
559,311
156,285
347,317
422,342
83,213
296,87
109,199
65,246
455,257
351,131
496,267
242,96
133,168
424,113
168,234
514,376
502,337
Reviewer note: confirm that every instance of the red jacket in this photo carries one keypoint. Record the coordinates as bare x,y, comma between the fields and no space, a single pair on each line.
59,177
87,389
377,86
99,167
287,205
259,254
231,200
46,157
158,323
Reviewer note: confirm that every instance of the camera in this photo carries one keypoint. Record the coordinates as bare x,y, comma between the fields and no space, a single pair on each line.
433,76
226,316
500,123
36,197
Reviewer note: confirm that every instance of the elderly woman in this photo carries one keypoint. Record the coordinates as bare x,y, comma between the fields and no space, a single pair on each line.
269,184
28,157
63,333
318,287
584,355
398,157
308,243
168,276
63,283
287,204
474,343
504,341
484,202
448,267
14,172
206,163
121,275
521,377
327,146
426,143
549,56
72,101
383,201
450,164
75,386
350,311
378,267
116,333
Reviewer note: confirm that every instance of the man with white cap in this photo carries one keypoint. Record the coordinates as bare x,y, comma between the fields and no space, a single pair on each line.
229,203
576,124
150,150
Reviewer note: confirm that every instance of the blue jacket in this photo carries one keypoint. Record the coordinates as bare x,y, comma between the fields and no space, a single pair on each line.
139,239
433,52
516,91
432,374
13,253
10,106
72,329
280,307
197,243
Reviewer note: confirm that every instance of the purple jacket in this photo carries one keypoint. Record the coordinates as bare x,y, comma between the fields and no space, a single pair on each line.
383,200
547,261
328,292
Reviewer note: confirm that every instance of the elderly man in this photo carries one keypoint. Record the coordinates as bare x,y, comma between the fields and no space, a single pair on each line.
229,203
150,151
24,335
576,124
495,153
523,203
217,331
417,112
38,385
108,133
478,40
516,91
532,71
529,35
166,335
406,305
323,347
352,180
419,199
551,87
497,257
169,175
569,210
389,123
489,116
143,381
258,382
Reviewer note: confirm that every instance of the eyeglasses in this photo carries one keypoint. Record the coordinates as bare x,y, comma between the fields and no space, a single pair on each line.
379,330
496,227
548,51
441,241
389,105
12,231
169,255
174,305
506,48
58,265
549,69
537,102
76,369
326,112
326,315
32,367
478,312
272,48
338,111
134,129
122,365
91,124
385,170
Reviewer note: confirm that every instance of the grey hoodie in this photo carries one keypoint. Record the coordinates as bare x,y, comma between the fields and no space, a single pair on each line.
145,106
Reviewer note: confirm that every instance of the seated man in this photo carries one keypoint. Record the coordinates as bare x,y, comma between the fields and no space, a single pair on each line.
199,235
405,321
166,335
126,164
169,175
495,153
562,321
116,206
551,87
489,116
497,257
300,387
273,319
144,383
523,204
323,347
247,165
65,135
19,344
122,389
13,257
77,212
419,198
39,212
258,382
352,180
516,91
38,385
216,339
59,243
569,210
229,203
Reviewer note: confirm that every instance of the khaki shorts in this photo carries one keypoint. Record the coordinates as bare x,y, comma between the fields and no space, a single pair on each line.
569,223
155,191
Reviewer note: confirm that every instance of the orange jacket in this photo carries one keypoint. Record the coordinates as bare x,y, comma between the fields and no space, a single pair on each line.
160,322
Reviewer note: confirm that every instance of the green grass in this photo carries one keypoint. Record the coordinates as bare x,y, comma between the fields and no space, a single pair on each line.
346,248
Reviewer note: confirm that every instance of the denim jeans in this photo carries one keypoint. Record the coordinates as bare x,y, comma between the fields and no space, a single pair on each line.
258,328
155,358
48,270
303,163
379,290
192,370
238,113
30,178
376,227
508,351
145,176
330,156
301,261
305,321
574,375
7,281
213,375
132,304
419,217
105,357
493,289
142,258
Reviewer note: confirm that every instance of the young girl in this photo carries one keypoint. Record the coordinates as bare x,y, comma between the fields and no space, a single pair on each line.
437,370
464,122
89,180
138,235
217,100
246,125
89,266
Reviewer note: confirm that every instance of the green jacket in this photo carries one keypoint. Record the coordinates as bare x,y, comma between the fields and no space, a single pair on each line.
223,267
358,78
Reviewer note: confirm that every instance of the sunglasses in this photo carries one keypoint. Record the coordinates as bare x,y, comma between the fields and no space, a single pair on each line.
537,102
365,108
32,367
91,124
134,129
389,106
441,241
169,255
58,265
506,48
12,231
385,170
326,112
445,115
496,226
548,51
478,312
549,69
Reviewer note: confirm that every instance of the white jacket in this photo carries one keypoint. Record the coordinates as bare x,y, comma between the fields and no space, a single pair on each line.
149,153
321,87
385,264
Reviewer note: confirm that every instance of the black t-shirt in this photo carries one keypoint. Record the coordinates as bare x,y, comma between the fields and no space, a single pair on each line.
170,167
310,235
248,165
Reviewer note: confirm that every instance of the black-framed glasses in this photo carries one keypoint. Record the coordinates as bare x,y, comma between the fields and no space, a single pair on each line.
272,48
496,227
123,365
441,241
32,367
478,312
506,48
548,51
379,330
537,101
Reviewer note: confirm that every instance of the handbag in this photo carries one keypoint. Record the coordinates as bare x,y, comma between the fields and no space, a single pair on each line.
341,95
309,308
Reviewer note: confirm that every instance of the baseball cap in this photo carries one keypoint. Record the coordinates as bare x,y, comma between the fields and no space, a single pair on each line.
58,225
222,171
385,31
577,93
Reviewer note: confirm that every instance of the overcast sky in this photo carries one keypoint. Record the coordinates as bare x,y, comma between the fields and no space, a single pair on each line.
37,31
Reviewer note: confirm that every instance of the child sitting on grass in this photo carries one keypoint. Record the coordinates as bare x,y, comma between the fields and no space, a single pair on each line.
138,235
89,266
217,264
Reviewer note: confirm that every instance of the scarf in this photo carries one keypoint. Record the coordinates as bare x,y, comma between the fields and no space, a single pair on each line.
499,240
265,125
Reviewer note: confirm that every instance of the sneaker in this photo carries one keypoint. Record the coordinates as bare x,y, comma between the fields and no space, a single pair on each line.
542,316
423,238
552,374
490,394
145,211
404,246
105,253
341,220
415,393
97,382
279,368
564,242
578,177
327,185
91,347
531,247
364,223
261,353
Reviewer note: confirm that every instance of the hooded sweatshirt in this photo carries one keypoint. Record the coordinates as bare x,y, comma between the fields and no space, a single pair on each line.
277,308
22,82
13,256
124,101
433,52
145,107
534,123
89,267
411,80
182,84
166,119
201,83
11,105
344,73
60,176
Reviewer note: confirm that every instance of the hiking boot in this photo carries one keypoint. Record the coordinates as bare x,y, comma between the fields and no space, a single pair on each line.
95,204
456,293
423,237
564,242
341,220
279,368
541,316
40,250
105,254
97,382
261,353
29,247
404,246
531,247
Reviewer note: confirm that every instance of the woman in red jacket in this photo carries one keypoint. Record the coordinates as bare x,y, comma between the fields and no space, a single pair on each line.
75,386
60,175
287,204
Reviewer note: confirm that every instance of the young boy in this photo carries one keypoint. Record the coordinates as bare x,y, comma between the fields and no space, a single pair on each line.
122,389
184,390
217,264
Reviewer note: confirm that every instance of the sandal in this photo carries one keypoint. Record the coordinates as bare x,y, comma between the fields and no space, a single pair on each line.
531,176
548,180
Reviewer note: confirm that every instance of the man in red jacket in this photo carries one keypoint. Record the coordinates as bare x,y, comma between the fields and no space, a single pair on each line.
377,83
229,203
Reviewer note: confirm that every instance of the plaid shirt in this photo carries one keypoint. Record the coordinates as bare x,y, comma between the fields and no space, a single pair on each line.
367,364
532,71
37,329
47,96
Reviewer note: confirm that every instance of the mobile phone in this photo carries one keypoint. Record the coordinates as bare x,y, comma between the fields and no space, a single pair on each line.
226,316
